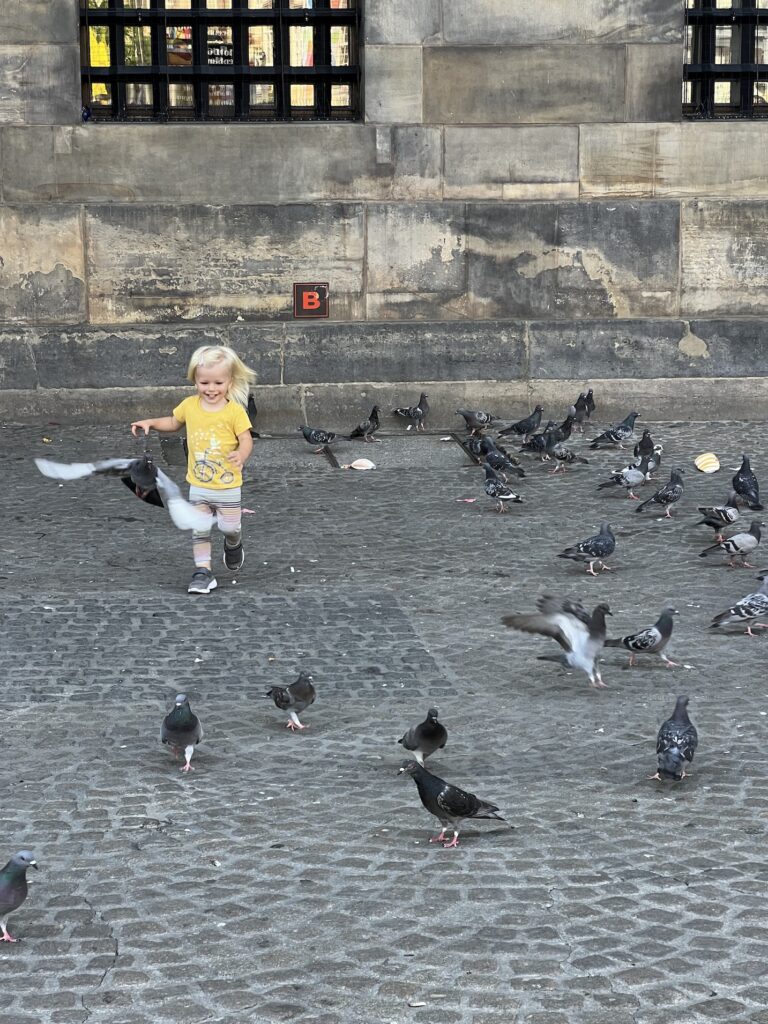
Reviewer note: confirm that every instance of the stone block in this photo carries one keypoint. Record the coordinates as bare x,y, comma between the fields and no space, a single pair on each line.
618,159
393,84
416,266
157,263
405,352
573,259
193,163
512,163
400,21
39,84
38,21
724,257
42,274
654,83
522,84
17,361
530,21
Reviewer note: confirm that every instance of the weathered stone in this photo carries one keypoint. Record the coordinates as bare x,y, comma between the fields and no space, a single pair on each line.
724,257
393,84
161,263
42,269
39,84
400,21
17,361
512,163
38,21
522,84
529,21
653,83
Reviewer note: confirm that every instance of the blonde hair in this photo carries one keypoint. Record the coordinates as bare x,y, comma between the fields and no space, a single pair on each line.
241,376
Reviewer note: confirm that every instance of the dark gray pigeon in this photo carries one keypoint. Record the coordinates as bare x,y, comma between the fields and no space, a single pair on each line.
499,459
740,545
630,477
13,888
590,402
416,413
252,413
654,459
593,549
671,492
747,610
181,730
314,435
525,427
580,634
718,516
495,488
294,699
556,451
144,478
644,446
476,419
537,445
614,436
449,804
676,743
368,427
427,737
581,411
652,640
746,486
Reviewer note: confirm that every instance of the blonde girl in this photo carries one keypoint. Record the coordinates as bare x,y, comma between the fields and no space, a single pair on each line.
219,444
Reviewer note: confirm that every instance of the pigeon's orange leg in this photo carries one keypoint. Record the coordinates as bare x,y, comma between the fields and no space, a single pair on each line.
438,839
453,843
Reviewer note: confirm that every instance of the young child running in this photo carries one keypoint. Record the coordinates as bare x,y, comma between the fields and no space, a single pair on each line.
219,443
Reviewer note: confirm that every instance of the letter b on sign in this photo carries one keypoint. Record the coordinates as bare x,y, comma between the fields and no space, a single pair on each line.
310,299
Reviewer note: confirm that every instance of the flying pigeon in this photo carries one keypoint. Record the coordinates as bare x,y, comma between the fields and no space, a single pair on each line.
294,699
740,545
556,451
417,413
252,413
746,486
181,730
718,516
368,427
524,428
649,641
144,478
13,888
476,419
676,743
667,495
313,435
496,488
644,446
580,634
593,549
449,804
630,477
748,609
616,434
499,458
427,737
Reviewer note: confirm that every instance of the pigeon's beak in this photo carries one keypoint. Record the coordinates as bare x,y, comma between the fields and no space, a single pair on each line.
33,864
401,771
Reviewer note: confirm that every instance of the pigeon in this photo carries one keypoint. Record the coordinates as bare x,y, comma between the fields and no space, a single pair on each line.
427,737
654,459
649,641
616,434
368,427
294,699
13,888
749,608
676,743
580,634
746,486
313,435
667,495
252,413
144,478
644,446
476,420
563,432
472,445
525,427
740,545
417,413
556,451
630,477
449,804
499,459
495,488
582,411
593,549
590,402
181,730
718,516
537,445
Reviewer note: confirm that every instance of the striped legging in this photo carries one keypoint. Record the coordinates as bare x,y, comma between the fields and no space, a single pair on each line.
226,506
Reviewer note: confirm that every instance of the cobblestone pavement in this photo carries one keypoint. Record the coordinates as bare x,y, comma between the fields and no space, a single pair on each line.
289,878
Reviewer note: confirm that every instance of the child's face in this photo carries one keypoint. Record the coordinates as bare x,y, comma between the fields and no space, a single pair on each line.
213,382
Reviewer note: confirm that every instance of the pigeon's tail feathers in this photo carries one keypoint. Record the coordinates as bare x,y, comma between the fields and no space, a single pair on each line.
757,507
488,810
724,618
642,504
607,484
706,551
671,763
571,553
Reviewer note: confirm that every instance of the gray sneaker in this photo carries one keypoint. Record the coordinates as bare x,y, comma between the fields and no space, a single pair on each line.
234,556
203,582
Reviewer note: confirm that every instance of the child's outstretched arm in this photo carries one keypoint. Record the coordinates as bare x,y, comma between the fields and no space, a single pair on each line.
165,424
241,454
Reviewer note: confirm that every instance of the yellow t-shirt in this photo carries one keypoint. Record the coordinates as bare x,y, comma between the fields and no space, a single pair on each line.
211,437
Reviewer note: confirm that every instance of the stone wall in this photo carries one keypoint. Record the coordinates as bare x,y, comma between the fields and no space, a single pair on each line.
522,210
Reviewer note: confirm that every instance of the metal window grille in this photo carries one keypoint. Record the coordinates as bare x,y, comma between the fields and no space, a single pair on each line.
221,60
726,59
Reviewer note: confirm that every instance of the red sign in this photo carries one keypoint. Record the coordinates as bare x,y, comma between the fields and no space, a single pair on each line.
310,300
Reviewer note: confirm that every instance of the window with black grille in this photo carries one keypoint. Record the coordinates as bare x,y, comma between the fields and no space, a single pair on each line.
220,60
726,59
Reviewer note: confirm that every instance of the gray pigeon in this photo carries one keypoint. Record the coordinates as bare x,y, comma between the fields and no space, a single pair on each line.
580,634
368,427
748,609
495,488
740,545
746,486
676,743
718,516
416,413
629,477
315,435
593,549
615,435
476,419
525,427
13,888
671,492
449,804
181,730
427,737
649,641
294,699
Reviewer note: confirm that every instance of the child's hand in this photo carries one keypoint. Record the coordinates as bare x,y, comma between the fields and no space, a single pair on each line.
140,425
236,458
